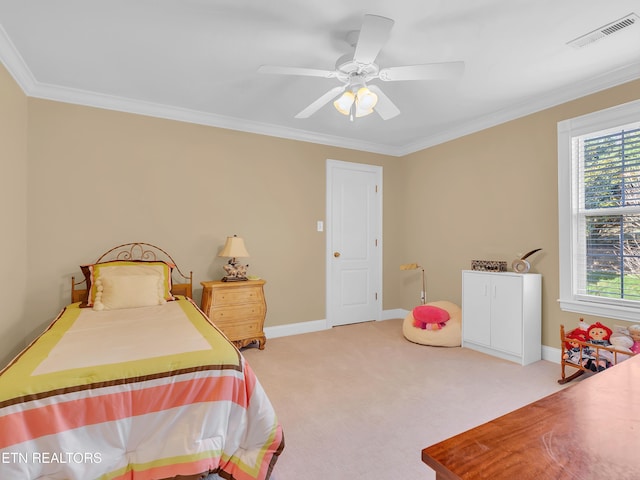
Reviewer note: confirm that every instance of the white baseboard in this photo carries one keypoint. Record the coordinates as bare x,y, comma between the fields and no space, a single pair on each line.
550,354
395,313
295,328
319,325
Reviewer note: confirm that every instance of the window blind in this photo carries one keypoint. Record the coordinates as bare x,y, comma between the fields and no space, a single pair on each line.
608,213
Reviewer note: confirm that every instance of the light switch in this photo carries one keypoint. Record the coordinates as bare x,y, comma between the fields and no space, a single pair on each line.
320,226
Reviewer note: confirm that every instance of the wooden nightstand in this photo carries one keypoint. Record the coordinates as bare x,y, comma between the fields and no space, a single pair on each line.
238,309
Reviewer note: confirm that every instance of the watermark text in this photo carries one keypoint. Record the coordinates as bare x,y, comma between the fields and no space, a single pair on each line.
50,457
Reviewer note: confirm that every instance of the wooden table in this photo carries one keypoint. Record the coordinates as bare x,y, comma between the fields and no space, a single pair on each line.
588,431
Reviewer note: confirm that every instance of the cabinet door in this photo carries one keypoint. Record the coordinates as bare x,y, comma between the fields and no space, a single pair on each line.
476,308
506,314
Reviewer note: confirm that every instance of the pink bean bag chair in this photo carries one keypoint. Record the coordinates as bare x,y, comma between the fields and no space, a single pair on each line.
437,323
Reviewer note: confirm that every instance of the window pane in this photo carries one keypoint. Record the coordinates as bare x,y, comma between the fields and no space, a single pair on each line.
611,170
613,256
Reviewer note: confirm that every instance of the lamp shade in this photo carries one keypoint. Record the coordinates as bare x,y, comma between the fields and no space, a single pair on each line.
234,247
343,104
366,99
363,98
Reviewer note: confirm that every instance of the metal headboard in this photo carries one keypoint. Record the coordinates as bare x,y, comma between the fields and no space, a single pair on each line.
139,251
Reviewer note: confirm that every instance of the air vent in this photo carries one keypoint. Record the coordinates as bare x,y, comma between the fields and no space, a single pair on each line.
604,31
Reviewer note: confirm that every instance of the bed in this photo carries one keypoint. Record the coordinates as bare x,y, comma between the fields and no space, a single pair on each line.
131,381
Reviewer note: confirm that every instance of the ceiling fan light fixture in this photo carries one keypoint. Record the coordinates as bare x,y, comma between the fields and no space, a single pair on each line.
358,104
366,99
355,70
363,113
343,104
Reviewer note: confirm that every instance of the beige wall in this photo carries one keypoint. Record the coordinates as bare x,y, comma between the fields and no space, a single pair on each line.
13,215
493,195
97,178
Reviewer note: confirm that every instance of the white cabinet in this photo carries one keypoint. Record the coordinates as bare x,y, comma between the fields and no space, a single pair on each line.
502,314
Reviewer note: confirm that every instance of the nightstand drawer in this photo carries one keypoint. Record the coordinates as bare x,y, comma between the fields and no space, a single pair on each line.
240,329
237,314
227,296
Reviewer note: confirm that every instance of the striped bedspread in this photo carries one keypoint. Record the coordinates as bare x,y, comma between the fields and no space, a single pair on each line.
134,394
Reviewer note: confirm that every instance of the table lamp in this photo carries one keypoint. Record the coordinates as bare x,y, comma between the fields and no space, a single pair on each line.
234,248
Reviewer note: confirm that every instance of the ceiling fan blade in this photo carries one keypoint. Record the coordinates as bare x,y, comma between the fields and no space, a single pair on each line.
373,35
321,102
385,107
309,72
429,71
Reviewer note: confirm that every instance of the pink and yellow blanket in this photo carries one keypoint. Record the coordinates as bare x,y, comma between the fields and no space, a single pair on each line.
134,394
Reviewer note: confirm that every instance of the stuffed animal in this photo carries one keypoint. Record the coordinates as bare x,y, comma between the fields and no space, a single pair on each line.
576,334
576,352
621,339
599,334
622,342
585,356
634,332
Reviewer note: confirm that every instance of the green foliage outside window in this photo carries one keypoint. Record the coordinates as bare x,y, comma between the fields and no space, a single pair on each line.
611,179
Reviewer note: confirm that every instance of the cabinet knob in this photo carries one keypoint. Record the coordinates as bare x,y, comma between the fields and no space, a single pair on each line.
336,254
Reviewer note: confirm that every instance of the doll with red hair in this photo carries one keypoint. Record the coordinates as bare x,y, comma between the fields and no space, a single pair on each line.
577,353
576,334
599,334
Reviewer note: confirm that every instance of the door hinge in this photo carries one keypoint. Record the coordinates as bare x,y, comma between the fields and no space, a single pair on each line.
376,188
376,295
376,242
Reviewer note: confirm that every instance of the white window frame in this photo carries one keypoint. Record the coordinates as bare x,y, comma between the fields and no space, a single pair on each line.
567,200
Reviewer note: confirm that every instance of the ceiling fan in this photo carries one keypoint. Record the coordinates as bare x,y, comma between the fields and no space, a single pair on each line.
354,97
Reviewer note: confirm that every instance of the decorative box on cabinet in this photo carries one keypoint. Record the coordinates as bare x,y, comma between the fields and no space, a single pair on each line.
502,314
238,309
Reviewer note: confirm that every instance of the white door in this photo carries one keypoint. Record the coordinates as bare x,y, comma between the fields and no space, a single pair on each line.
354,242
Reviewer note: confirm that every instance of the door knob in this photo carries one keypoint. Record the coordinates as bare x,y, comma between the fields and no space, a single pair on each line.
336,254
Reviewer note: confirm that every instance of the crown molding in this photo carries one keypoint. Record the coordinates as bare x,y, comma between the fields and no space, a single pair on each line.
17,67
19,70
14,63
120,104
551,99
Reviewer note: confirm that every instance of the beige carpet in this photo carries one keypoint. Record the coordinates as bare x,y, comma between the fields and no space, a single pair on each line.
361,402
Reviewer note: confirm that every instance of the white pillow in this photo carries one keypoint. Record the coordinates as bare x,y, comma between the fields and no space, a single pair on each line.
128,291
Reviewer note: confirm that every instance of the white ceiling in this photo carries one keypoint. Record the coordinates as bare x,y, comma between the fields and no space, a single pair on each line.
197,61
